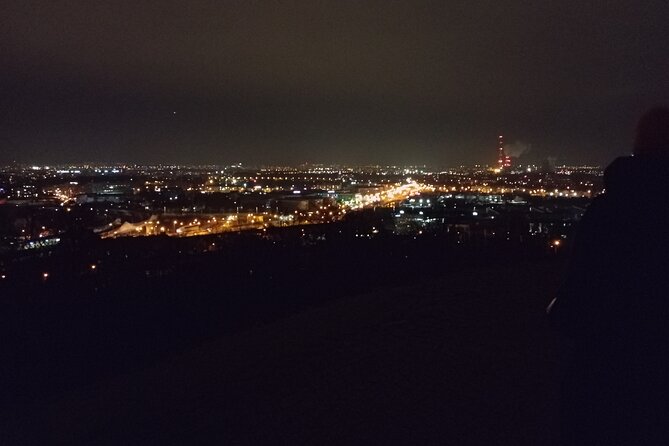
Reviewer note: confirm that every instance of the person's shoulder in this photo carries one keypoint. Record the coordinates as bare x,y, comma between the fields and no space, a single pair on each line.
603,218
627,175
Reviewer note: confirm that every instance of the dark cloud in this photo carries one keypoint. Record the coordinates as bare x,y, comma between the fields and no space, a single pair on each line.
331,81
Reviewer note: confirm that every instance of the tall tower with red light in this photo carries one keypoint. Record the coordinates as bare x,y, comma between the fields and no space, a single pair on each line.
503,160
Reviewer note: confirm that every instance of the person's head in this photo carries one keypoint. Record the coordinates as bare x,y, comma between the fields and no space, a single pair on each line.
652,133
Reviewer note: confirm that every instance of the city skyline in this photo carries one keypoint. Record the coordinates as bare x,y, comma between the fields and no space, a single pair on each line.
334,221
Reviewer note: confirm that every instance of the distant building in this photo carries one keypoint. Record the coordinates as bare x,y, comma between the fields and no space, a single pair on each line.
100,198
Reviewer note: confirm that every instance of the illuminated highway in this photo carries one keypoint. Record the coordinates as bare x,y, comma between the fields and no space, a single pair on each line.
187,226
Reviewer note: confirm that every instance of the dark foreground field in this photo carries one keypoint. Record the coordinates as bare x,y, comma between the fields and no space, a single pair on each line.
458,358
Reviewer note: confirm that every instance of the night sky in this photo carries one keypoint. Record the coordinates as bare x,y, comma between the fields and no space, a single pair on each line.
286,82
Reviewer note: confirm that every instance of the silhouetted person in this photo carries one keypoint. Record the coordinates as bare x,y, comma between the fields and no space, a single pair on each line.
613,306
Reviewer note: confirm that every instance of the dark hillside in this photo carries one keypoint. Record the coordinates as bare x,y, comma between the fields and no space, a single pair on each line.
459,358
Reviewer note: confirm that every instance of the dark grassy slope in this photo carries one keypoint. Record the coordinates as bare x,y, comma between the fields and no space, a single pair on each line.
465,358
